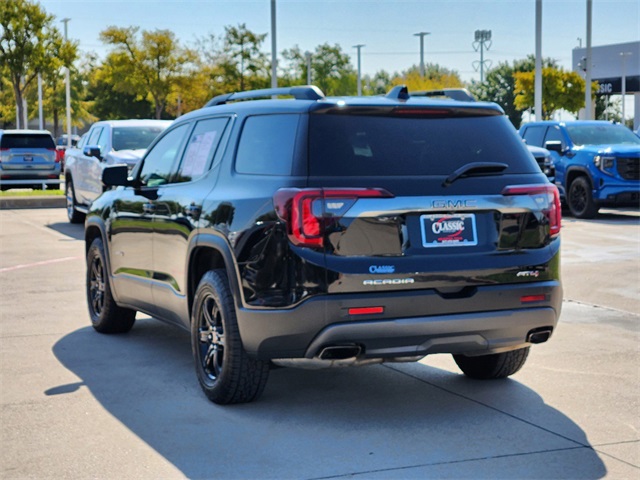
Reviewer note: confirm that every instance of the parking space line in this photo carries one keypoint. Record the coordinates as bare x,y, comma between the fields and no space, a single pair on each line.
38,264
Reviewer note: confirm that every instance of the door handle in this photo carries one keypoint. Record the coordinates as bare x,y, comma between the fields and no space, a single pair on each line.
149,208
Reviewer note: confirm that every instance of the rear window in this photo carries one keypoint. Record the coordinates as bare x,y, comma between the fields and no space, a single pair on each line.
134,138
31,140
395,146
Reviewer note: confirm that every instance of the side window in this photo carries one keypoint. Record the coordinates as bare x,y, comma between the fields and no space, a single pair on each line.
534,135
157,165
201,148
554,134
266,145
94,135
83,141
103,141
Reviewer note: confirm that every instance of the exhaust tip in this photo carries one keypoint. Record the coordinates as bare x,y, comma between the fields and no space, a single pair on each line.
340,352
539,335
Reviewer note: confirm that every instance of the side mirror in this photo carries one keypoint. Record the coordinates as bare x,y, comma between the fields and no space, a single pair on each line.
92,151
115,176
554,146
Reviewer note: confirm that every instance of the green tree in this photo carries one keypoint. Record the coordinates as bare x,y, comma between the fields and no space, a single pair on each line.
241,62
30,44
331,69
561,90
7,101
54,95
608,108
499,85
108,102
379,83
149,65
435,77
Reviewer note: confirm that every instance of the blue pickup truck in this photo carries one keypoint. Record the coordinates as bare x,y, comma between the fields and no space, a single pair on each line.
597,163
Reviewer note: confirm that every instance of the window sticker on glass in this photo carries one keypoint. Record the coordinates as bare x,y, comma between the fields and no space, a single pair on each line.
198,154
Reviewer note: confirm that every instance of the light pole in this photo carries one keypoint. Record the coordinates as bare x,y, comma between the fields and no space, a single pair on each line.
483,39
537,81
624,56
421,35
68,82
274,54
308,57
359,47
587,93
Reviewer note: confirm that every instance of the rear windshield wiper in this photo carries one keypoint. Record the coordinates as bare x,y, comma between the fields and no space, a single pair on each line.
475,169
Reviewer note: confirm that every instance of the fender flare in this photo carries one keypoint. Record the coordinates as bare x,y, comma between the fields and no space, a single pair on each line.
220,244
582,171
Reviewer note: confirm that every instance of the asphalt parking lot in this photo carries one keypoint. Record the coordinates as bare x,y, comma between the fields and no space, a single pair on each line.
77,404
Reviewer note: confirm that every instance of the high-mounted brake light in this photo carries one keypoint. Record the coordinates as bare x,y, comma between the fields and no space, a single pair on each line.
427,112
308,211
546,197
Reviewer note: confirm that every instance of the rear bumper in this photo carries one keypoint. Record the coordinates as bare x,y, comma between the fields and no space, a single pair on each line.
28,175
415,323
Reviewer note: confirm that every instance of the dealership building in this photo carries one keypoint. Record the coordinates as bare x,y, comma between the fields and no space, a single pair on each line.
611,65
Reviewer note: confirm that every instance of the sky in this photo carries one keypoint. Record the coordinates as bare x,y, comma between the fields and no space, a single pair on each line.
385,27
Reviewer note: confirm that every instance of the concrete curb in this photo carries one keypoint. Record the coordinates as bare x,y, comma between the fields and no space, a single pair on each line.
52,201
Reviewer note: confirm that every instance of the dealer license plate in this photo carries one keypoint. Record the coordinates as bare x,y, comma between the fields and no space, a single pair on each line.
449,230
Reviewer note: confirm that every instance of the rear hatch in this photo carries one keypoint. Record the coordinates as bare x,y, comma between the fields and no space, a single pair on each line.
404,198
25,152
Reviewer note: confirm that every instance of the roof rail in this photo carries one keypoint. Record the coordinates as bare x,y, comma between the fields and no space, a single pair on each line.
305,92
399,92
460,94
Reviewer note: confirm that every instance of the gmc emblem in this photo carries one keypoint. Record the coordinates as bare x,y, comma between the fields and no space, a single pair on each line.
454,204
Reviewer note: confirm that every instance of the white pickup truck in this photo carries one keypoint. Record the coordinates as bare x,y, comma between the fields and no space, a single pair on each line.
108,142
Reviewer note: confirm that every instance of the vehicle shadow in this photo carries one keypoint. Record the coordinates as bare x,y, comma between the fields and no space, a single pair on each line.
315,424
74,231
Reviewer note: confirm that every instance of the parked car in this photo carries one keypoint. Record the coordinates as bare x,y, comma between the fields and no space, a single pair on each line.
28,159
320,232
597,163
544,160
106,143
61,147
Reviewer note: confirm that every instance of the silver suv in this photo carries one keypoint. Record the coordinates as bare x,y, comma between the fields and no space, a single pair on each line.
28,159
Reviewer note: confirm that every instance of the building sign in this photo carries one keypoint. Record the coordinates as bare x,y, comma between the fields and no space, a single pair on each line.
613,86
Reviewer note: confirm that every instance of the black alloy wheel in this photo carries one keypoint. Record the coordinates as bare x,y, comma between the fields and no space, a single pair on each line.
106,316
226,373
580,199
96,286
212,339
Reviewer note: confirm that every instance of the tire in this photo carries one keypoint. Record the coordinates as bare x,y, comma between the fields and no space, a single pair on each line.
498,365
73,215
225,372
580,199
106,316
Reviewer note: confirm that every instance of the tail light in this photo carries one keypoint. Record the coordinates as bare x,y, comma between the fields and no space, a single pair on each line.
548,200
308,211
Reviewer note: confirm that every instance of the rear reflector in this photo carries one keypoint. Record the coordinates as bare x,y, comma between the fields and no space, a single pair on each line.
366,310
533,298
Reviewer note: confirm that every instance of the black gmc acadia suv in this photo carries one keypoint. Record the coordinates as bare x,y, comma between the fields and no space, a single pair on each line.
320,231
